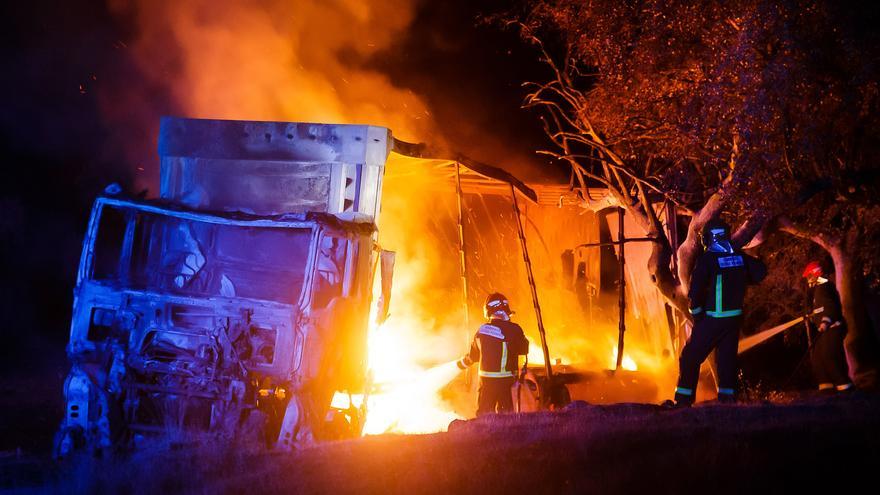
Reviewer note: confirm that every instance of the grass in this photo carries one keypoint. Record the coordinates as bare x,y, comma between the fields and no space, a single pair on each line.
623,448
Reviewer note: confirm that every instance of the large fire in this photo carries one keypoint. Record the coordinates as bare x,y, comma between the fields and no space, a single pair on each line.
407,397
274,61
412,354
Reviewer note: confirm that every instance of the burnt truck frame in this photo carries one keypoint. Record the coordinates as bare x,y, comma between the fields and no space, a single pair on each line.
238,301
168,339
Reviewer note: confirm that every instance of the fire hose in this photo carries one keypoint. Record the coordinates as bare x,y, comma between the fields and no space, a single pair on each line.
759,338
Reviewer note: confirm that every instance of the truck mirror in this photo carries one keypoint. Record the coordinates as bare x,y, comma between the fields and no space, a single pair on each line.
386,273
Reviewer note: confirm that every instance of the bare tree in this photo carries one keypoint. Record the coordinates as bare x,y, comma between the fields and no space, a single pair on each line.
612,122
716,108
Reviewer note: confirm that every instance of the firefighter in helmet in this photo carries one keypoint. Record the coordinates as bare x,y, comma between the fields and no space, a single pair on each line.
718,286
497,346
827,356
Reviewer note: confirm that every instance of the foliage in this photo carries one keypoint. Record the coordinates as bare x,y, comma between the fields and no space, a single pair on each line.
759,110
779,96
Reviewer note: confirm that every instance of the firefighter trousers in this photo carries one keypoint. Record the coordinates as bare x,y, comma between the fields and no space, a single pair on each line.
495,395
721,334
828,358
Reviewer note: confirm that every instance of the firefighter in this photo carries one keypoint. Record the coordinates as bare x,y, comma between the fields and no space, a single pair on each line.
718,286
827,356
497,345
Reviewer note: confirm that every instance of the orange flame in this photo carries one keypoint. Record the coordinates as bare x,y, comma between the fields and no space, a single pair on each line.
304,61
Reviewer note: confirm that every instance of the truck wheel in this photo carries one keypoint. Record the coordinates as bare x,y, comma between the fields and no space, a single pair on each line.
559,396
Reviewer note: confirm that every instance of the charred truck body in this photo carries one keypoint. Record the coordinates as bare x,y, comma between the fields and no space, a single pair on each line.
239,300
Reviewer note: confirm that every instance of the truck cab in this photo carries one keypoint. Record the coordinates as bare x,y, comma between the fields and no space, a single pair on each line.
212,315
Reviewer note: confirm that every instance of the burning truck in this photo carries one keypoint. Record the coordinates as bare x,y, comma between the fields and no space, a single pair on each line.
238,300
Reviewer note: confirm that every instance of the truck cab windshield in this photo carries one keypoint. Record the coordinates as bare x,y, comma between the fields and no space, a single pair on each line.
193,258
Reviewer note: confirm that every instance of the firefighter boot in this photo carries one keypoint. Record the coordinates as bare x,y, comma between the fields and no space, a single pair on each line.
671,404
725,397
684,397
682,400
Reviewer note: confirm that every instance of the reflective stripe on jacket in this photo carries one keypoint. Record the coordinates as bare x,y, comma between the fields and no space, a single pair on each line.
825,297
496,346
719,280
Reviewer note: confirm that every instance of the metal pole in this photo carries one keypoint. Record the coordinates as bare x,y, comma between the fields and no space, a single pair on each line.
672,228
614,243
461,246
621,287
463,263
532,287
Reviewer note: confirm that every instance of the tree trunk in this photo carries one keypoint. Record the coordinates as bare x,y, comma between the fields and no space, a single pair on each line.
860,344
861,347
661,274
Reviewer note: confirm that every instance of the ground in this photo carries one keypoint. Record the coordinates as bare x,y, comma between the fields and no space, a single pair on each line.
624,448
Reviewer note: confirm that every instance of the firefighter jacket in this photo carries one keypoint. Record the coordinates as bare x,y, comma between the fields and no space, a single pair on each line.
496,346
825,297
719,280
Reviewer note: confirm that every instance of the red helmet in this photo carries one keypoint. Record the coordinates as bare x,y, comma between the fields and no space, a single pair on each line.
813,269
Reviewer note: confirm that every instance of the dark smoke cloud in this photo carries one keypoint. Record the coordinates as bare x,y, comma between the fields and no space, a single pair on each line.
84,83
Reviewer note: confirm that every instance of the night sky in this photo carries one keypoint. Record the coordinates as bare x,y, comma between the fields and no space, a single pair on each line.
66,63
